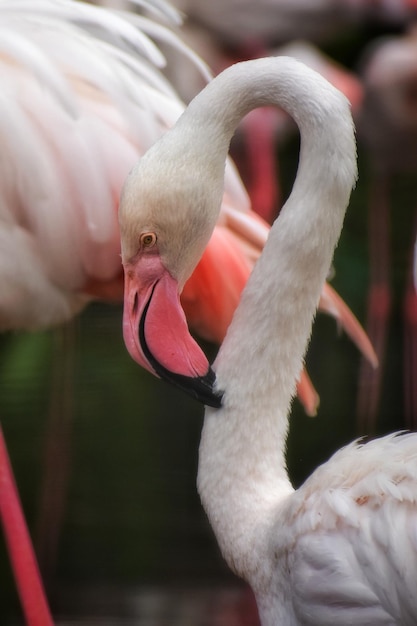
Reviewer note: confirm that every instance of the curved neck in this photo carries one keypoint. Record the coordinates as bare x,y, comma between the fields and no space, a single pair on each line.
242,473
211,119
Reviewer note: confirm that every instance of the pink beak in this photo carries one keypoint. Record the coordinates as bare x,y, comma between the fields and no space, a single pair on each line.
156,333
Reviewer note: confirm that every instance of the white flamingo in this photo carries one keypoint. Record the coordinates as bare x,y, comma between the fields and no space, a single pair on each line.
342,548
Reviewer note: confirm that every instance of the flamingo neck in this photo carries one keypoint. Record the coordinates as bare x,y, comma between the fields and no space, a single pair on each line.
242,472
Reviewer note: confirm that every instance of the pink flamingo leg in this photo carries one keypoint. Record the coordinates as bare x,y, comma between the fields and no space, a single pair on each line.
260,130
379,306
19,545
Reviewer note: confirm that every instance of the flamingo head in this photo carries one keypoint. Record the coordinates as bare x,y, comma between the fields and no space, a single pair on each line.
162,239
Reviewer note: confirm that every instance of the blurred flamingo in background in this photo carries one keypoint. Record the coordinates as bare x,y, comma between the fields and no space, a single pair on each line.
387,127
84,95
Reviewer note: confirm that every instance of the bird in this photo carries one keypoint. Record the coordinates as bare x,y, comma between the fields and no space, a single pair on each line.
342,547
387,134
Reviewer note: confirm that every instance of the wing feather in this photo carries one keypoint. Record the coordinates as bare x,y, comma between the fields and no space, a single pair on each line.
350,544
83,96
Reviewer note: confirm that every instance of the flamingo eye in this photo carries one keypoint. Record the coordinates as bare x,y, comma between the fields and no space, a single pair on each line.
147,240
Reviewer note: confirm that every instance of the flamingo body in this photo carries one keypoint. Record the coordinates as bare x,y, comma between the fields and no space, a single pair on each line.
69,146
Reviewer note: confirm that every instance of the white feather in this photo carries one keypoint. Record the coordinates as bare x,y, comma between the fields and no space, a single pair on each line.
82,97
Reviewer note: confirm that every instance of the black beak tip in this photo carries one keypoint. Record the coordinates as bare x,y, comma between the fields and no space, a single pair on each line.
205,389
201,387
215,399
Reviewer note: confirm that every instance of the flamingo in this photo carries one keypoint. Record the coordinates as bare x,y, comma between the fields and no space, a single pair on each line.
72,125
388,133
342,547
